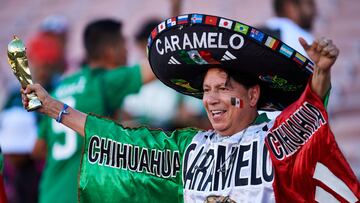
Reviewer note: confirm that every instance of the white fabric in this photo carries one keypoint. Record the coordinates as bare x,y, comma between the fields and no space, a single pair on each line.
290,32
322,196
18,131
323,174
154,101
205,142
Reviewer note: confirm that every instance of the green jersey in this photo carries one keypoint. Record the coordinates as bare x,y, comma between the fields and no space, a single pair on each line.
98,91
118,161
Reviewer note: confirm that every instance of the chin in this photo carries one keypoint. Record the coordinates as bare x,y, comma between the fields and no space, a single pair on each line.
219,128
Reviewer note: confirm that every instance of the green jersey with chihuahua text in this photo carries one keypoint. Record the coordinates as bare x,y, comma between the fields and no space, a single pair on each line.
132,165
99,91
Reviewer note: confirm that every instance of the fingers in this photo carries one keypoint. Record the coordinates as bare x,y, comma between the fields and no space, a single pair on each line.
334,53
330,51
35,88
24,98
30,88
325,47
303,43
306,46
322,43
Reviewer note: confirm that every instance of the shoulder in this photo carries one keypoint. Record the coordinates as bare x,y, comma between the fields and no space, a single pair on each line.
126,69
72,76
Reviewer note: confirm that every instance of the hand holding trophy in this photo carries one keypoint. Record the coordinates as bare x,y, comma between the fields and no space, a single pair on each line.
19,64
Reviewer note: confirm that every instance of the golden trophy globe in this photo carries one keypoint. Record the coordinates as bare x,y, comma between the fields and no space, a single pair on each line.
19,65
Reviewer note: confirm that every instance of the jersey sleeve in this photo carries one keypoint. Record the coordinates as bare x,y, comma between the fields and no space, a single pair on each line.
121,164
120,82
307,161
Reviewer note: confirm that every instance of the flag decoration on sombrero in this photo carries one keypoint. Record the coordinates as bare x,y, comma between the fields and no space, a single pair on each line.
183,48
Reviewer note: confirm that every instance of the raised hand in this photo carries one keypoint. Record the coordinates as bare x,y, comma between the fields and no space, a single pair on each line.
51,107
40,92
322,52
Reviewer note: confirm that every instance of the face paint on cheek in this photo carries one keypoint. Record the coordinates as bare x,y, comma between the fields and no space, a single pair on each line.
237,102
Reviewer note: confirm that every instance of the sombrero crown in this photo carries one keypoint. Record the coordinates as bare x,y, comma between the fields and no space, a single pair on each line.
181,49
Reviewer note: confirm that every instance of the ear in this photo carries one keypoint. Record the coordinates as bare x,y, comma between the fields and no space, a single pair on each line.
254,95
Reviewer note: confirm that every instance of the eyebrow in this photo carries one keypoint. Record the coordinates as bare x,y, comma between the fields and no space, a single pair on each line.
226,84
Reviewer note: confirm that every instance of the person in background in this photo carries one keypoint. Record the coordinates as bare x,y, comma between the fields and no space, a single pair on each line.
57,27
169,110
46,59
294,19
144,108
18,129
99,87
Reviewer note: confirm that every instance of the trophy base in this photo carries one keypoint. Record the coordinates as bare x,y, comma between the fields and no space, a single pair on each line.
33,104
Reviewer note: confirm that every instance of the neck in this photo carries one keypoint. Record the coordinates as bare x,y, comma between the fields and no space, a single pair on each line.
251,119
244,124
100,64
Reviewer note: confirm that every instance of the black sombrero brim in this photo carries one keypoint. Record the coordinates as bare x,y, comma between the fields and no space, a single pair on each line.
181,50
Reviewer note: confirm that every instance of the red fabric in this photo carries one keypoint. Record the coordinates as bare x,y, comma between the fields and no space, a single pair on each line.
2,191
44,49
294,174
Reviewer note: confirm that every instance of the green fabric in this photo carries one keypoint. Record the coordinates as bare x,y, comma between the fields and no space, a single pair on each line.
261,118
104,180
116,88
14,99
326,99
90,90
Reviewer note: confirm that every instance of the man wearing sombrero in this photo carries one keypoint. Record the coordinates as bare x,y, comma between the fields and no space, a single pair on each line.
236,70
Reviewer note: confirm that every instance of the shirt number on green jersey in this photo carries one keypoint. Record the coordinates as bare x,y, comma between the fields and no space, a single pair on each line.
65,150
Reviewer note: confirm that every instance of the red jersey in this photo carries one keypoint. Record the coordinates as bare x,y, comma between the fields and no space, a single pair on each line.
308,164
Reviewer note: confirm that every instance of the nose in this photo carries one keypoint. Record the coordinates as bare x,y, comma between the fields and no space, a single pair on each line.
211,98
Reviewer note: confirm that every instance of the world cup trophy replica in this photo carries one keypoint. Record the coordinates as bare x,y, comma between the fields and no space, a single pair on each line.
19,64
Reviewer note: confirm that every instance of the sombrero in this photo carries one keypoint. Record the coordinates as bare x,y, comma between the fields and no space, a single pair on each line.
181,49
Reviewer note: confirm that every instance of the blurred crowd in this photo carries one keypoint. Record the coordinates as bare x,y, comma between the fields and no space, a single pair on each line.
38,153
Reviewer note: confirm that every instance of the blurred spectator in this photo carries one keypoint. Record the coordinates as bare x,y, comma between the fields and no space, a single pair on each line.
157,105
17,137
46,59
143,33
144,107
18,128
294,19
57,26
98,87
